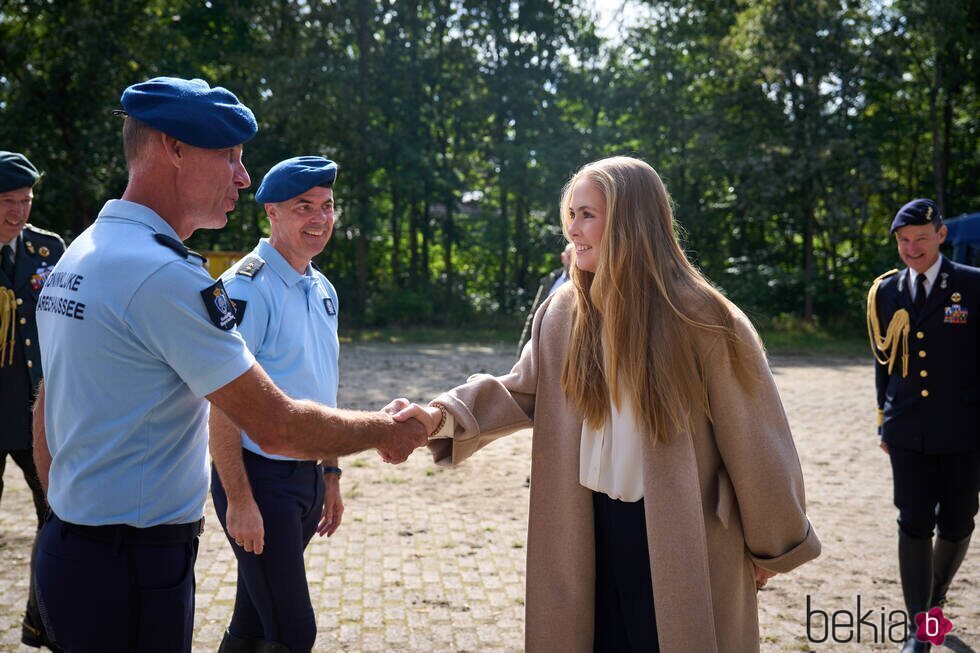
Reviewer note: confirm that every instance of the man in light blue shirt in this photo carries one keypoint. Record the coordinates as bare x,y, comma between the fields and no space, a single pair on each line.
135,339
271,505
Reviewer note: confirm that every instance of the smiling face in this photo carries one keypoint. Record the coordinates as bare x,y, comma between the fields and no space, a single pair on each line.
586,222
302,226
15,209
918,245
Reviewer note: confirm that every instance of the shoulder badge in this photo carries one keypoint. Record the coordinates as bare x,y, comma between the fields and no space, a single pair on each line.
45,233
250,266
220,309
238,305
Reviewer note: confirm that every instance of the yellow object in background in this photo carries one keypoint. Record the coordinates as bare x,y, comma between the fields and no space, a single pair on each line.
218,262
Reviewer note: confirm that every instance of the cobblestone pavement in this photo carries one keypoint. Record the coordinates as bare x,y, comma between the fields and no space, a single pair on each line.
432,559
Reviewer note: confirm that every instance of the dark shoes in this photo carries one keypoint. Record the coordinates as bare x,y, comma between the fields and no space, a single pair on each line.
33,635
915,646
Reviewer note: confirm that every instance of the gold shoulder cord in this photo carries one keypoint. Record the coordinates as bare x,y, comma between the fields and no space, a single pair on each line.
8,319
898,330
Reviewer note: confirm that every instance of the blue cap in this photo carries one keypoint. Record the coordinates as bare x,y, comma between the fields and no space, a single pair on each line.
191,111
16,172
917,212
295,176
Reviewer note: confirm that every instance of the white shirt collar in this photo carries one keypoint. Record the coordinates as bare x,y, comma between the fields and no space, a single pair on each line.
931,273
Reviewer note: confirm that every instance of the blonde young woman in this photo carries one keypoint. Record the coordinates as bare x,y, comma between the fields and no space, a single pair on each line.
666,488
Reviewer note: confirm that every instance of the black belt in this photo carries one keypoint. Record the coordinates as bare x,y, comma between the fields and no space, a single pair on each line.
115,533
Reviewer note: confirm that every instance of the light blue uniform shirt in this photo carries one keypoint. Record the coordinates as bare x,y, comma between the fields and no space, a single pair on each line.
129,353
290,324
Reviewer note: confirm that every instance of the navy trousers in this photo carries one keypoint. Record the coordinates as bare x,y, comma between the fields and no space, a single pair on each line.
624,615
272,600
115,589
936,490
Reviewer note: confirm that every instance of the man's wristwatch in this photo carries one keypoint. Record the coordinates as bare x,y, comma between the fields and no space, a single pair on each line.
329,469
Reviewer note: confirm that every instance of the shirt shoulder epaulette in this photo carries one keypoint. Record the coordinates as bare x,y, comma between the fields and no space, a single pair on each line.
43,233
179,248
250,266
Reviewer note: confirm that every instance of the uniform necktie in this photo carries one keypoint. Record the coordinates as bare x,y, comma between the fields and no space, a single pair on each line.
920,293
8,261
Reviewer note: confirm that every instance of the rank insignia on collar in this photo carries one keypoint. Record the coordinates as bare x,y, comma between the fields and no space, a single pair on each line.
956,297
43,251
955,314
944,275
328,304
219,306
29,246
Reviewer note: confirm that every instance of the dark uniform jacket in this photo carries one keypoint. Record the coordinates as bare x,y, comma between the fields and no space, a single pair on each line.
936,408
37,252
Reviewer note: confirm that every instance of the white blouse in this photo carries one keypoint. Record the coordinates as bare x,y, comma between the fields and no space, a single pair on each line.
611,459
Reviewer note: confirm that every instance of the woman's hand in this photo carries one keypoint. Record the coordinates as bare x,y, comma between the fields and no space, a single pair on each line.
430,416
762,576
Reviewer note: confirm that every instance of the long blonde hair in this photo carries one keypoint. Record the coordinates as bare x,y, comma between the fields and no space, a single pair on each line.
634,333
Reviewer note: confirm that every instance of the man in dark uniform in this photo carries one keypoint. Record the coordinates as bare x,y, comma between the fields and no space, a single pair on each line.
923,325
27,256
546,287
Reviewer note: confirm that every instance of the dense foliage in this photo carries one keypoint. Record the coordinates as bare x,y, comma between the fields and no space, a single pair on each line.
787,132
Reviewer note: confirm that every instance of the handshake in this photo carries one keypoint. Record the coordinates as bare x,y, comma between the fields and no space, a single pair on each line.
412,427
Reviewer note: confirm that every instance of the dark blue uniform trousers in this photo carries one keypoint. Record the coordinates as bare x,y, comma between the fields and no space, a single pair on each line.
272,602
117,588
936,490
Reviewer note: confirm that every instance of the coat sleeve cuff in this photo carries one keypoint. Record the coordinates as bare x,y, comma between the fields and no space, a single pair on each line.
805,551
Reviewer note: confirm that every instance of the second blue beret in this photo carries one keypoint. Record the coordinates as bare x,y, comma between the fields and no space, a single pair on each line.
295,176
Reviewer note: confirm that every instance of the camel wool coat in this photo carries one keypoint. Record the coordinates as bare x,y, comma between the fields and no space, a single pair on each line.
716,500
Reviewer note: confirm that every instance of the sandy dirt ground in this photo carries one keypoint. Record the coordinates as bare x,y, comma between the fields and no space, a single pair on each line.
432,559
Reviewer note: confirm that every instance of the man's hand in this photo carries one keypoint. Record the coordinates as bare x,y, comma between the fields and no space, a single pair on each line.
244,524
333,507
883,446
401,439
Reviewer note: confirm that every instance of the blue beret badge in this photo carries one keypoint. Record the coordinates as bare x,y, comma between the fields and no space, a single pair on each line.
220,308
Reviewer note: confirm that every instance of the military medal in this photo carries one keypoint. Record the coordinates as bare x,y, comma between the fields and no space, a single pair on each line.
43,251
956,297
955,314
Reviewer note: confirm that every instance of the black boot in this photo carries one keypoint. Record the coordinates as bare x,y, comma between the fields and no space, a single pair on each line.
232,644
915,567
946,559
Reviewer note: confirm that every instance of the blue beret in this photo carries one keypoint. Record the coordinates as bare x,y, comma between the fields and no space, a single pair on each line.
16,172
191,111
917,212
295,176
